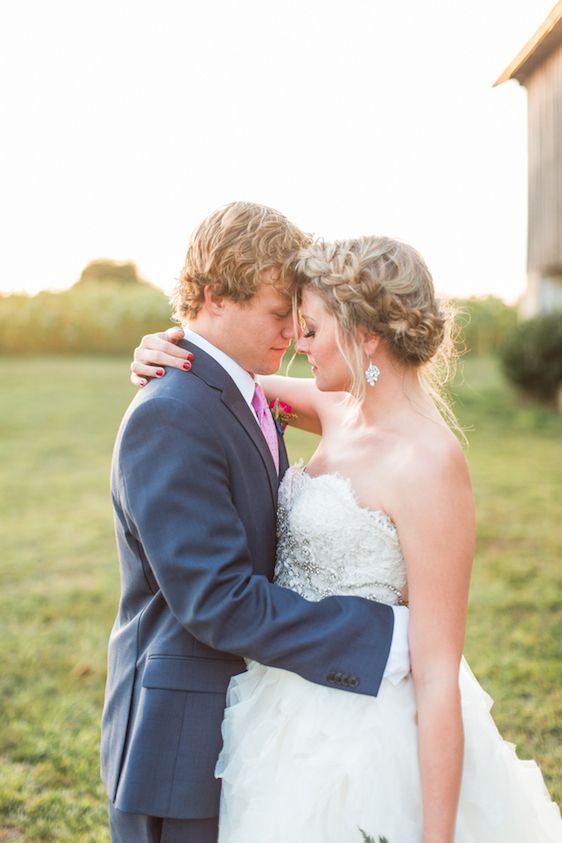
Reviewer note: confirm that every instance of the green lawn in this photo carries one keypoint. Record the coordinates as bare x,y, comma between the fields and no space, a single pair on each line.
60,579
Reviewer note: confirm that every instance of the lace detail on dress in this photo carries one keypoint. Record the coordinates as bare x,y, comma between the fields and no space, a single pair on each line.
328,544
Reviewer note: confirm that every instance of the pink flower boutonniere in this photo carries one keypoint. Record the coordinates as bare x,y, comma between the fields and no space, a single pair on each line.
282,414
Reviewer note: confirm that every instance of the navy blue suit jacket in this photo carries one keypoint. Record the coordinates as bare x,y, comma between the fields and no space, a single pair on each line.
194,492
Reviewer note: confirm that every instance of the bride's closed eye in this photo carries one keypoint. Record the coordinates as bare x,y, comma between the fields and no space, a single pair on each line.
309,334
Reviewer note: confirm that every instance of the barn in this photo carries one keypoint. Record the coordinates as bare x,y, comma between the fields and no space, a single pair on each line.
538,68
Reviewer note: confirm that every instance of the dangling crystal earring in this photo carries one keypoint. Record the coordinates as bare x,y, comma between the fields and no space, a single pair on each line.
372,373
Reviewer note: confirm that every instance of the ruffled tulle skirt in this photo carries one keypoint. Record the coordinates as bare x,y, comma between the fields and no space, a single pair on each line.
303,763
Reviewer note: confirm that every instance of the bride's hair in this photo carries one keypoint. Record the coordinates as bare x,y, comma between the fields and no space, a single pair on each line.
385,287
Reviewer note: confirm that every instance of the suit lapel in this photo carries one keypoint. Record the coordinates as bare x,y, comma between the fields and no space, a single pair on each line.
283,458
206,368
234,401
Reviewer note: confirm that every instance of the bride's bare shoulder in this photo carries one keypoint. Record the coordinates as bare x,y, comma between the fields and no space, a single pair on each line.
431,456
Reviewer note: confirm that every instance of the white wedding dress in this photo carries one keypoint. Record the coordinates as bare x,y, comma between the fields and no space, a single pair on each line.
303,763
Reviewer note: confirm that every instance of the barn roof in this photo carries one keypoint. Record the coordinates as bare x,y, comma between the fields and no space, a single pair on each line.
546,39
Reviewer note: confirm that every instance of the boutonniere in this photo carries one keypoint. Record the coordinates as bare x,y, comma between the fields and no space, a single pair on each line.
282,414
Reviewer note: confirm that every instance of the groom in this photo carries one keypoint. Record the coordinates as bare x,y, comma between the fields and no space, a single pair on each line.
195,473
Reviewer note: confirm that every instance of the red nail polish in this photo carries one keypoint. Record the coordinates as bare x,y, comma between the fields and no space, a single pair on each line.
187,365
159,372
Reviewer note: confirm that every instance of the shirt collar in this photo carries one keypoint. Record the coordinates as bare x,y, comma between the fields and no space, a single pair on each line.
243,379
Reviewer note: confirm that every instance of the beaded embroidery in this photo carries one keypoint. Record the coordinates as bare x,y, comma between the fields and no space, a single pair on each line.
329,545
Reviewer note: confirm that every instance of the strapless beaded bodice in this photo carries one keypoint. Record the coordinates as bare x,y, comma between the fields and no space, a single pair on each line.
328,544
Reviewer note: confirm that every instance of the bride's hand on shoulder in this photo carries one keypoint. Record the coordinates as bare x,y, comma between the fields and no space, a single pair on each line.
156,352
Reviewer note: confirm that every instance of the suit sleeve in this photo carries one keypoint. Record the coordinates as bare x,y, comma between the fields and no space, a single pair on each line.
176,488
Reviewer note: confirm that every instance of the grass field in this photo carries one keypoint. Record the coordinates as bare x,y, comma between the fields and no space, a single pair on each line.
60,580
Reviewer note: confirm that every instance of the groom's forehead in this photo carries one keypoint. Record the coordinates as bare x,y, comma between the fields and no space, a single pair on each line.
278,303
277,294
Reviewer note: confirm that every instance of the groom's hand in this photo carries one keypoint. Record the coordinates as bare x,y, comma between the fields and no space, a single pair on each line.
155,352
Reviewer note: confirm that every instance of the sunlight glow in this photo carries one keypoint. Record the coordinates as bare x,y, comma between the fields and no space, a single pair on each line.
126,122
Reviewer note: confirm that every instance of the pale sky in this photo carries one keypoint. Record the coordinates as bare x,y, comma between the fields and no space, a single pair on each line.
125,122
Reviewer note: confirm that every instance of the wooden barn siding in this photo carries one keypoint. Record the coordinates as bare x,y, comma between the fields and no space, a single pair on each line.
544,88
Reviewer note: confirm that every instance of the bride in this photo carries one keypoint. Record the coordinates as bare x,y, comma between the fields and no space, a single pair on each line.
384,510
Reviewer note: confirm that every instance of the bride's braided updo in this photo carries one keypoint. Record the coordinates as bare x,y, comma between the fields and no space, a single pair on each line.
384,287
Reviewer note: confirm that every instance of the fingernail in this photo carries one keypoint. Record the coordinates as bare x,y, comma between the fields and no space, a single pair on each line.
187,365
159,372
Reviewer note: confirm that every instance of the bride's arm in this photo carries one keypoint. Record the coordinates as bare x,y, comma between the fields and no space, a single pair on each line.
157,351
435,520
307,402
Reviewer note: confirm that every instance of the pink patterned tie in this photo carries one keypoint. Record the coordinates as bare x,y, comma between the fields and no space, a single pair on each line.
265,419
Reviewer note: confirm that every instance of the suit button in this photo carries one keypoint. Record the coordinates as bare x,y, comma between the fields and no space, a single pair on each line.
331,677
353,682
338,678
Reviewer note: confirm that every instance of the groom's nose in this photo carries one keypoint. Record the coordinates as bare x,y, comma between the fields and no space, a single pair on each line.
288,332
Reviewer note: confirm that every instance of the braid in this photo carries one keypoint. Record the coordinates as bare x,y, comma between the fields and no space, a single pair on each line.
383,285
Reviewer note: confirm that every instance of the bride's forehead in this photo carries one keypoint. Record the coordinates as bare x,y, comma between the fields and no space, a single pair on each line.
311,303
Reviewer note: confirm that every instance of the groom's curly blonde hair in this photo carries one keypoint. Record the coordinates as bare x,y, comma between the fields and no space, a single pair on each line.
230,249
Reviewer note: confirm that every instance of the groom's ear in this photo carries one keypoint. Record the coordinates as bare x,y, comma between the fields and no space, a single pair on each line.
213,303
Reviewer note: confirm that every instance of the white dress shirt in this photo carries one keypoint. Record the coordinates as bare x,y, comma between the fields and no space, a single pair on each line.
398,664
